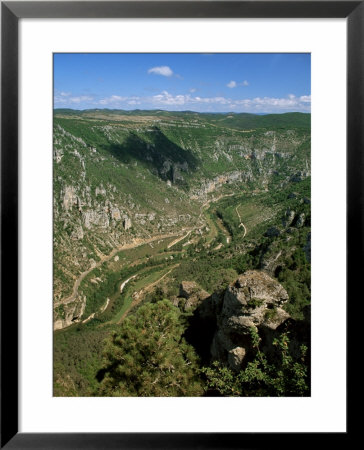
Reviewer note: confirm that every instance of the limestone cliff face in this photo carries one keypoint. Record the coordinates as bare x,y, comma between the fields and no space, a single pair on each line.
70,313
212,185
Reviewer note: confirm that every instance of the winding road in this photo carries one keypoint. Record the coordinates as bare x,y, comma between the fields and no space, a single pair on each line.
134,244
241,222
137,242
138,296
178,240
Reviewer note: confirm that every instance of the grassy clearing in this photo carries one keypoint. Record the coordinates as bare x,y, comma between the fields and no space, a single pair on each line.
213,231
134,286
253,214
102,282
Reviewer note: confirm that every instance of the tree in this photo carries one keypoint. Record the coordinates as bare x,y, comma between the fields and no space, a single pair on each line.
147,356
261,378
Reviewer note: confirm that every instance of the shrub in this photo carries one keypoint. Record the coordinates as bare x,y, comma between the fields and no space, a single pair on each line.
285,378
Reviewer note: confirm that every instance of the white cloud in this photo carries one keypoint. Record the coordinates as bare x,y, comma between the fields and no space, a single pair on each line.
232,84
192,90
161,70
66,99
112,100
266,104
305,98
167,99
82,98
257,104
194,102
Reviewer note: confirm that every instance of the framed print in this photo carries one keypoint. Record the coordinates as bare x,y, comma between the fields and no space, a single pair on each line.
171,222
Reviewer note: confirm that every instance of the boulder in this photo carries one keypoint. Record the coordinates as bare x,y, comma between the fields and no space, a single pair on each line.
301,220
126,222
193,294
236,357
288,218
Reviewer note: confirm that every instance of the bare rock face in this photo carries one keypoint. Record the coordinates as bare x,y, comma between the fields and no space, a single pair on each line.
69,197
255,301
193,294
300,220
77,233
188,288
100,191
126,222
98,218
115,213
236,357
249,298
271,259
69,313
288,218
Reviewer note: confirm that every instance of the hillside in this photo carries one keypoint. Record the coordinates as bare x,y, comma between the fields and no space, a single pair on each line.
145,201
119,177
238,121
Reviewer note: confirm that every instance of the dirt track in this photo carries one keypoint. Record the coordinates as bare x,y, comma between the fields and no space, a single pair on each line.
139,295
134,244
241,223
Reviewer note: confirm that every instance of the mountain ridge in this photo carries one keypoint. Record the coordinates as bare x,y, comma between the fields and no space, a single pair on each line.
261,120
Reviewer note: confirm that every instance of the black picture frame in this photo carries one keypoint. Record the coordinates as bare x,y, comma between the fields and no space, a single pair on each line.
11,12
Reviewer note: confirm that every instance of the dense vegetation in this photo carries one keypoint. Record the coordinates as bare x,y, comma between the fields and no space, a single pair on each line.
148,356
286,376
240,121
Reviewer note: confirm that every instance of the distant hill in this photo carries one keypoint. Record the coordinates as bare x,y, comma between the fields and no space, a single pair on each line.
238,121
245,121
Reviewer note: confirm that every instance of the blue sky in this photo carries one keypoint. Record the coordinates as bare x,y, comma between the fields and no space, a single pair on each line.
237,82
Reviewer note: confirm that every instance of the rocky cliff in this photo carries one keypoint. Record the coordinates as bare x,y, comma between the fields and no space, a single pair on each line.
222,322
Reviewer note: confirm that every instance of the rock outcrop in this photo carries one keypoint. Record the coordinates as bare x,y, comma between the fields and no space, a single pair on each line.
69,197
300,220
126,222
191,295
289,217
69,314
253,301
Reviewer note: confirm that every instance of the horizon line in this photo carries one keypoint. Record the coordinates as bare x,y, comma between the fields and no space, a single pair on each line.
182,111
